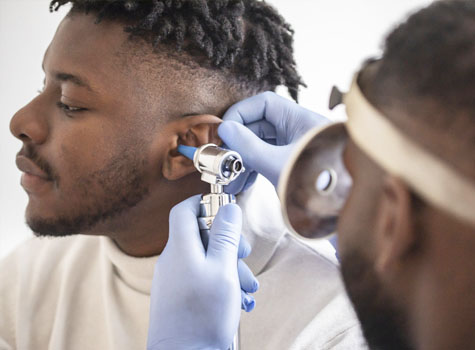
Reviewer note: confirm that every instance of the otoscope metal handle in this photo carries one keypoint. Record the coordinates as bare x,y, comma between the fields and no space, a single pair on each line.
218,167
235,344
209,206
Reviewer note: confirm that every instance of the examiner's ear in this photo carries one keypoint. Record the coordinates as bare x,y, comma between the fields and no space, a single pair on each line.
195,130
395,236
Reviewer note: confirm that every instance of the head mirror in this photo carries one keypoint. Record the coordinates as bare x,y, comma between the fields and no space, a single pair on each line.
314,186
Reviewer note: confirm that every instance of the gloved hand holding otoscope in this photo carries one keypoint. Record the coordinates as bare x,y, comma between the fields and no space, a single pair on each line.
264,143
215,217
219,167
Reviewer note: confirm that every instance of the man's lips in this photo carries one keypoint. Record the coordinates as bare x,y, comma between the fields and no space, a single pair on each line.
28,167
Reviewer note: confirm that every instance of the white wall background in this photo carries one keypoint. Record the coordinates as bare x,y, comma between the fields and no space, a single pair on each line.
332,38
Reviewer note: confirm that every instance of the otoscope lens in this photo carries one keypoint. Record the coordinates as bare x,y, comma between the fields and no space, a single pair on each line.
231,166
237,166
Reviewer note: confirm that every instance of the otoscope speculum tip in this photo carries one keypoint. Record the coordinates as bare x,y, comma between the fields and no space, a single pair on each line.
187,151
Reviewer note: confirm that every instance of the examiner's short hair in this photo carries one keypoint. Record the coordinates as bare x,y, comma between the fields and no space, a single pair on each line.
433,53
428,71
246,39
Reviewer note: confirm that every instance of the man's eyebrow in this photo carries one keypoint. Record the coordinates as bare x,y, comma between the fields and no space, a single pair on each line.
66,77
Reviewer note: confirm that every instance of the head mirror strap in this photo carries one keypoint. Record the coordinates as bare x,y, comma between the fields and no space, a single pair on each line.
433,179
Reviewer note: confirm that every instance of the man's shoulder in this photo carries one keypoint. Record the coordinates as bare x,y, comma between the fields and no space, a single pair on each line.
307,262
302,290
40,276
40,253
307,278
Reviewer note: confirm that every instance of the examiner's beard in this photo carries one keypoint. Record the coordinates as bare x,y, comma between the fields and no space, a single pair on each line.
384,325
109,192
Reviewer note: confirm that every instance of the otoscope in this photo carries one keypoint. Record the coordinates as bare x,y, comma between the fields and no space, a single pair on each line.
218,167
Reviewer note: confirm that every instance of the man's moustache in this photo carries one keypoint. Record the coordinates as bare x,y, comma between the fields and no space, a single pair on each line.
30,152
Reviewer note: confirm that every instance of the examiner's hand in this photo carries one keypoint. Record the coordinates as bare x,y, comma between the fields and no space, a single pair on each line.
196,294
263,129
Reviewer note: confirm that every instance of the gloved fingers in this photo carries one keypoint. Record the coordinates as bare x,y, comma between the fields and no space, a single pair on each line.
262,157
244,248
247,111
247,301
289,119
242,183
238,185
264,130
250,181
267,105
242,140
248,281
225,234
183,225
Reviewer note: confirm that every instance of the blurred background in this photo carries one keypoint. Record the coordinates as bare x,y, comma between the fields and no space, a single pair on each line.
332,38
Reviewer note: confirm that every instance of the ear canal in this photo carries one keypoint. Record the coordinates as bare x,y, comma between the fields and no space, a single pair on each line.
195,131
188,139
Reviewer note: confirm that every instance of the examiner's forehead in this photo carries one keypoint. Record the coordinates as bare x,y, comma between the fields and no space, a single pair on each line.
356,160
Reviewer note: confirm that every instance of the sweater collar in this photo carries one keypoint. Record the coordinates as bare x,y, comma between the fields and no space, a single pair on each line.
137,273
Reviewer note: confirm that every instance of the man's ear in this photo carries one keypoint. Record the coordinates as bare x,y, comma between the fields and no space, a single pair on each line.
195,130
394,228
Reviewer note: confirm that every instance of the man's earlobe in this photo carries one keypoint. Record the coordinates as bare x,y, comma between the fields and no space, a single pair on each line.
395,235
195,130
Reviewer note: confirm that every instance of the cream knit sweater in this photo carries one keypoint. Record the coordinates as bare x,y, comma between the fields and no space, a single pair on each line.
83,293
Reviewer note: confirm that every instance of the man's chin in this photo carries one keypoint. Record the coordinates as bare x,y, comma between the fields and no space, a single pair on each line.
91,222
51,227
61,226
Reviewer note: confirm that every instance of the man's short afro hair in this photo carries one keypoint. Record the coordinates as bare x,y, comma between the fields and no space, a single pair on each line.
247,38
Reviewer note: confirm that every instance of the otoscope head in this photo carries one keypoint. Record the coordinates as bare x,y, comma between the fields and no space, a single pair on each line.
217,165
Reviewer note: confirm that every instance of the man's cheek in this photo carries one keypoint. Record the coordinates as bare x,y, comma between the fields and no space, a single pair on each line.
81,158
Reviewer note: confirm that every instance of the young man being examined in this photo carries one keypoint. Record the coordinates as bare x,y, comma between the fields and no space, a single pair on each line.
125,83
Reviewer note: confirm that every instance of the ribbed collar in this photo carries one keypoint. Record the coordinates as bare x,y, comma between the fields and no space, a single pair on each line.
137,273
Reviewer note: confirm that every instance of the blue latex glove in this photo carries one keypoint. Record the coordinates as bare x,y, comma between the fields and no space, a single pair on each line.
264,129
197,295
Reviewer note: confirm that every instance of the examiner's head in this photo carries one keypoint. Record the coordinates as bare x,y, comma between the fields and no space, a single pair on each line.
408,265
125,82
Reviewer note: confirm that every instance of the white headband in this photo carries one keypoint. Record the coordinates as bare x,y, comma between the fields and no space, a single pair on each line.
429,176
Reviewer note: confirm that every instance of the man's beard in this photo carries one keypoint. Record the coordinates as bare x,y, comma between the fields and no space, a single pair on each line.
384,325
103,194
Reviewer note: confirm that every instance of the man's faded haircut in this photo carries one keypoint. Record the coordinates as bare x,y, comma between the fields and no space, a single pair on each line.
246,40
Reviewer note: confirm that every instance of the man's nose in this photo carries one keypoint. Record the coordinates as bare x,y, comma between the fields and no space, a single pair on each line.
30,124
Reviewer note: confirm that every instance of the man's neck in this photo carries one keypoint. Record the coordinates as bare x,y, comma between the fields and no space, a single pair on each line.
143,230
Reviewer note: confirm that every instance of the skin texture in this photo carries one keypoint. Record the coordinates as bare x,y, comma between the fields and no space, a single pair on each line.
111,167
407,267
